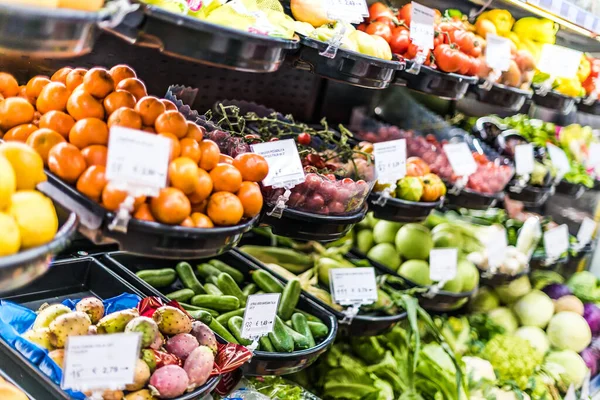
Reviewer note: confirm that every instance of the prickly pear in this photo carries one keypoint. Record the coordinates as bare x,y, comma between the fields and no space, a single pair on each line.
71,324
158,342
58,356
141,377
149,358
172,321
143,394
181,345
204,335
92,330
48,314
41,337
168,382
109,394
144,325
199,365
92,306
116,322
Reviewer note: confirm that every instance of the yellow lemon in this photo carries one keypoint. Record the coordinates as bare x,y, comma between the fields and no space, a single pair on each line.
10,238
26,162
35,216
8,182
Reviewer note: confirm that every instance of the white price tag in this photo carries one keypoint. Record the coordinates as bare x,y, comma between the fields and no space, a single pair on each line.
524,159
442,264
259,316
556,241
586,231
95,362
461,159
421,26
351,11
137,158
558,61
353,285
593,160
497,52
390,160
559,160
285,166
496,245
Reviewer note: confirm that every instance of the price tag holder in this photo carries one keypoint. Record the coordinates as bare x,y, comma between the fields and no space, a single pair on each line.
353,286
559,160
259,316
496,245
497,52
558,61
285,166
556,241
390,160
351,11
586,231
443,264
421,26
98,362
461,159
524,159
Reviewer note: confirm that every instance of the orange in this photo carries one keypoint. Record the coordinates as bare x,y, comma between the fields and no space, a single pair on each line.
61,75
225,159
43,140
251,198
23,93
66,161
194,132
112,197
171,122
201,220
120,72
188,223
200,207
175,146
144,213
171,206
149,108
9,87
88,131
190,149
95,154
20,133
210,155
54,96
98,82
253,167
57,121
125,117
169,105
118,99
204,187
75,78
92,182
224,209
226,178
133,86
83,105
34,87
15,111
36,118
183,174
150,129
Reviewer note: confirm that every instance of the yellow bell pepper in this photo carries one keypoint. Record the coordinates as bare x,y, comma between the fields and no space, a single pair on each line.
541,30
533,47
502,19
584,69
568,86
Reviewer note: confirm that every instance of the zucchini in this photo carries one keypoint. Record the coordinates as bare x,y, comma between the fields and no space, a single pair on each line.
235,327
227,285
265,344
237,276
289,299
266,281
218,303
309,317
187,277
221,331
300,325
157,278
182,295
249,289
281,340
223,318
318,329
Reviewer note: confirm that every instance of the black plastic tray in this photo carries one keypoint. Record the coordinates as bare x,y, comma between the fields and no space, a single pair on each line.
402,210
431,81
498,279
347,66
507,97
468,198
77,278
570,189
556,101
530,196
4,375
262,363
593,108
537,263
195,40
576,263
144,237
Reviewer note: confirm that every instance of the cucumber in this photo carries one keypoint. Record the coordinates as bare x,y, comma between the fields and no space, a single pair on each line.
289,299
189,307
223,318
181,295
300,341
237,276
202,316
212,289
187,277
281,340
249,289
266,282
205,270
318,329
218,303
213,279
157,278
235,327
309,317
265,344
221,331
227,285
300,325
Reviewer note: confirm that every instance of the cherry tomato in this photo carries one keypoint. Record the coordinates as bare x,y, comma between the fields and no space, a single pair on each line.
347,181
386,20
400,40
379,9
275,139
331,177
380,29
405,14
304,138
447,58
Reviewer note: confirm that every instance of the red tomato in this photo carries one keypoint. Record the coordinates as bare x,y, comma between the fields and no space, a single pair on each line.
412,51
400,40
386,20
474,66
362,27
380,29
447,58
465,63
379,9
463,39
304,138
405,14
476,52
438,39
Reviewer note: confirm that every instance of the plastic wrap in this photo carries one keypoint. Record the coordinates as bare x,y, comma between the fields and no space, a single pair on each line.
269,387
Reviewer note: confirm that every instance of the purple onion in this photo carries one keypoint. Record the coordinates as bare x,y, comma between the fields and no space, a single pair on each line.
590,356
591,313
556,290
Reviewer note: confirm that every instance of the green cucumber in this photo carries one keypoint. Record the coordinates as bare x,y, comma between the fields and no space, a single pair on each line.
181,295
189,307
213,279
237,276
235,327
281,340
205,270
221,331
318,329
266,281
157,278
300,325
219,303
227,285
265,344
187,277
309,317
212,289
223,318
301,342
202,316
289,299
249,289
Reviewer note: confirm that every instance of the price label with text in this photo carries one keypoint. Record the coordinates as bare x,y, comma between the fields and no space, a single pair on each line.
558,61
496,245
559,160
259,316
100,361
586,231
442,264
524,159
285,166
497,52
137,158
390,160
353,285
461,159
351,11
556,241
593,160
421,26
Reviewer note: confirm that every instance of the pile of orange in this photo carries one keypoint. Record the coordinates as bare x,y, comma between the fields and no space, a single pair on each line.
67,119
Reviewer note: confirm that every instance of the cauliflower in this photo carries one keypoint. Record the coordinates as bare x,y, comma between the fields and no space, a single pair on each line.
513,358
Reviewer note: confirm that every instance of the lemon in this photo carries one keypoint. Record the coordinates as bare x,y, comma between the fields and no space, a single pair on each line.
8,182
35,216
26,162
10,238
